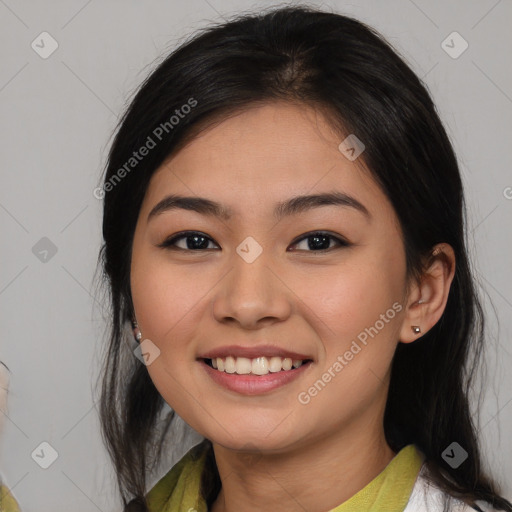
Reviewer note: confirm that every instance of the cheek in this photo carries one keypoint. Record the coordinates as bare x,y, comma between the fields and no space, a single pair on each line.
353,297
166,300
166,296
359,327
359,321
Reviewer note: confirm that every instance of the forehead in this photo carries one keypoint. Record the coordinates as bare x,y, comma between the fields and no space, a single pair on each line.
264,155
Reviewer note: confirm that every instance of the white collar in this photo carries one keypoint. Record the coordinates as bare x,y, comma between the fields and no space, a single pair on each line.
425,497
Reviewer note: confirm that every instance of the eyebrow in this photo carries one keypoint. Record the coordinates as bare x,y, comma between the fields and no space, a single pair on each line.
292,206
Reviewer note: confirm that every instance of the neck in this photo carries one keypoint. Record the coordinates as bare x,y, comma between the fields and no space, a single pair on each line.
316,476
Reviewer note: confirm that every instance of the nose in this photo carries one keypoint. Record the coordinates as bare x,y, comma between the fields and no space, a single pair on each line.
252,294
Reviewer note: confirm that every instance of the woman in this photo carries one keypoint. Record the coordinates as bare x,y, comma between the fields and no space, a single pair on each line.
284,232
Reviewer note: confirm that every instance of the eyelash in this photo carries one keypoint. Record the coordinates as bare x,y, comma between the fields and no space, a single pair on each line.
169,243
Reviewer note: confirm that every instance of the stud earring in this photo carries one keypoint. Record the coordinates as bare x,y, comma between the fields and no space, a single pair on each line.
415,329
136,331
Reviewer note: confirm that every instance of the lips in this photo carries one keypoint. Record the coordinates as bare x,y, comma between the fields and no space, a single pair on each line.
253,352
255,384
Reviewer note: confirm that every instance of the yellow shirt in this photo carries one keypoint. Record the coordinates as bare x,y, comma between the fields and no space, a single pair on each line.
179,489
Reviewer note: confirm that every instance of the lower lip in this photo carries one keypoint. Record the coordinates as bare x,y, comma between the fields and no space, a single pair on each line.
254,384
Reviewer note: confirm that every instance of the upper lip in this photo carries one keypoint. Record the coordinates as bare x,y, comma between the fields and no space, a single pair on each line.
253,352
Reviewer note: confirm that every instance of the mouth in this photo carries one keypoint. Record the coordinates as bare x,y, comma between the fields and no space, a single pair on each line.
254,376
258,366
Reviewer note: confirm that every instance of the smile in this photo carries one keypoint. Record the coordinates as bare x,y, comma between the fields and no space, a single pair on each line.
256,366
269,373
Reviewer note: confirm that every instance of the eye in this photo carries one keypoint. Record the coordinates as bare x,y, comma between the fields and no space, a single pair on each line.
320,241
194,240
317,241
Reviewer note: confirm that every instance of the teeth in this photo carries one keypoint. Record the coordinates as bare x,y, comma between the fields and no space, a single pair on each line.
260,366
276,364
229,365
257,366
243,365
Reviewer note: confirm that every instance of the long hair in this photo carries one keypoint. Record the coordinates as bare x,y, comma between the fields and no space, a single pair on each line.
348,71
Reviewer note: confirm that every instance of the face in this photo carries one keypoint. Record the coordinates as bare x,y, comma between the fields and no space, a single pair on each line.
257,280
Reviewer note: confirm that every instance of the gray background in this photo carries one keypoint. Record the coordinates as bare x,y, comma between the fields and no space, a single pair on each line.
57,115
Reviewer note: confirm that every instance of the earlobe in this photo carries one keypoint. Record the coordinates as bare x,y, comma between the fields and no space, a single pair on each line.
433,289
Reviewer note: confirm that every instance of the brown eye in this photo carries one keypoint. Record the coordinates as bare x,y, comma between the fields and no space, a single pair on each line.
320,241
194,241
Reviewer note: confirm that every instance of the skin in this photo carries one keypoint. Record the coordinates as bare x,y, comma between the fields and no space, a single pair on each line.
273,452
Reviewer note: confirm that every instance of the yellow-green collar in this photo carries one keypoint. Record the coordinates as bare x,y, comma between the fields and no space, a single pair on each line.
7,501
391,488
179,489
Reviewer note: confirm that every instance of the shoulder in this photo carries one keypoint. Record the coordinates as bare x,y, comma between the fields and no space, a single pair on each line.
426,497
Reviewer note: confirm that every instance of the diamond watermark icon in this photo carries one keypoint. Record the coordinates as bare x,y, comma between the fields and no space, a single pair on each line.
454,45
249,249
44,45
351,147
44,250
147,352
45,455
454,455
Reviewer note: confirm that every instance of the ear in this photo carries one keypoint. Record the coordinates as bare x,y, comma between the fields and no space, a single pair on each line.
427,299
